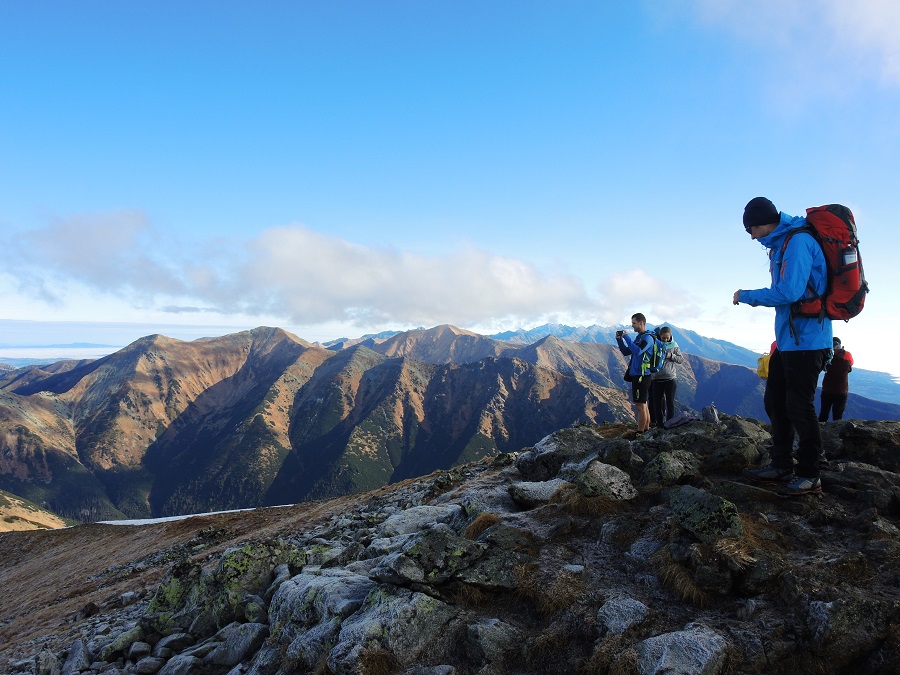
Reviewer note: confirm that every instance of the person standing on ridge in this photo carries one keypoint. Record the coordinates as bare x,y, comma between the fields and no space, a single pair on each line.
804,346
835,385
664,383
640,381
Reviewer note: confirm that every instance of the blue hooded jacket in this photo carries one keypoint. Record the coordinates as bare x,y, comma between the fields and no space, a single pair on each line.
630,348
800,265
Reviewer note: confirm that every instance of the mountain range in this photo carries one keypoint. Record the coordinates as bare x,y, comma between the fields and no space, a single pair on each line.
262,417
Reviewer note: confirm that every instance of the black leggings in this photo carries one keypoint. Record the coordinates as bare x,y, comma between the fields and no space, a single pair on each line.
659,390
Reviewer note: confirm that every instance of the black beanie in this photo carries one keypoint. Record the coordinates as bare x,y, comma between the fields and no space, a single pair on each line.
760,211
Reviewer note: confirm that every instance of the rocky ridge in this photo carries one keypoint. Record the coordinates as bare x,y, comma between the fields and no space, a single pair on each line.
594,551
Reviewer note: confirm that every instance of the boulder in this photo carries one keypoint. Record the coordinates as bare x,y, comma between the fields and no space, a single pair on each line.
706,516
419,517
544,460
672,468
431,557
529,494
697,650
405,624
599,479
619,614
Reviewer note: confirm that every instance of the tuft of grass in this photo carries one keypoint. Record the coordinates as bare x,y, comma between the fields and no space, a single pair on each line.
550,599
469,596
679,579
613,655
735,552
572,501
482,522
376,660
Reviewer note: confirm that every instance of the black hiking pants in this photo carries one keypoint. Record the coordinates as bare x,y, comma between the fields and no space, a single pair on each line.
832,403
790,405
662,401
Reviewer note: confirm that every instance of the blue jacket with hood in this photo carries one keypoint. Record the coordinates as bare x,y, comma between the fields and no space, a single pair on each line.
635,350
800,265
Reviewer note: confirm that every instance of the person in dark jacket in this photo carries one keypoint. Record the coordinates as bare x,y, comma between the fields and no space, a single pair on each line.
835,384
797,270
664,383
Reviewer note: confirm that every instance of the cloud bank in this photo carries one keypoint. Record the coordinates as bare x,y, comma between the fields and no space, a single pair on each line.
307,277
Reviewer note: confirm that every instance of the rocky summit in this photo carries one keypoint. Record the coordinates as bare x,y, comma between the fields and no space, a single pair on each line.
594,551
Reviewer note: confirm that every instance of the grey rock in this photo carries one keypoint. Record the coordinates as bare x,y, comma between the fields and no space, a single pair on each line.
121,643
432,557
847,627
138,650
309,598
599,479
310,646
419,517
46,663
544,460
405,623
529,494
707,517
254,609
619,453
282,574
79,658
619,614
180,665
697,650
672,468
490,640
175,642
268,660
149,665
238,642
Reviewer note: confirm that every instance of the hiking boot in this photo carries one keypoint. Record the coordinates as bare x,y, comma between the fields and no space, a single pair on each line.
802,486
769,474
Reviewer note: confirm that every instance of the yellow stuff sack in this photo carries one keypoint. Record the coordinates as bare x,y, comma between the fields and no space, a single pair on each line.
762,366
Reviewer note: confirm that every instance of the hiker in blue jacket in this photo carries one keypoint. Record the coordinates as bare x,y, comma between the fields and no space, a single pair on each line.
804,345
640,382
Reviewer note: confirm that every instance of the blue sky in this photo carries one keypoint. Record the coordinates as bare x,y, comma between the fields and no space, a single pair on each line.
348,167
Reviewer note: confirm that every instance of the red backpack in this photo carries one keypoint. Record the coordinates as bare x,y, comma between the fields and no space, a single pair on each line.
833,227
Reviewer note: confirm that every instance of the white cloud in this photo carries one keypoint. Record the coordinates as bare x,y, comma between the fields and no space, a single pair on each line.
635,291
826,44
110,251
292,272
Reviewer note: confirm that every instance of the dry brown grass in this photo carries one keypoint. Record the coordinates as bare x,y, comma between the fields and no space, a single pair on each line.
469,596
482,522
573,502
612,656
759,534
551,640
614,429
679,579
376,660
550,599
735,552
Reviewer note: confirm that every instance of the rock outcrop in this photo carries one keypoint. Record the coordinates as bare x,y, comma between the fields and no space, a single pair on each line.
587,553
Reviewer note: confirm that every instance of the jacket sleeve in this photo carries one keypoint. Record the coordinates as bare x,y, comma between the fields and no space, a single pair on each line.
789,277
674,355
623,347
849,358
